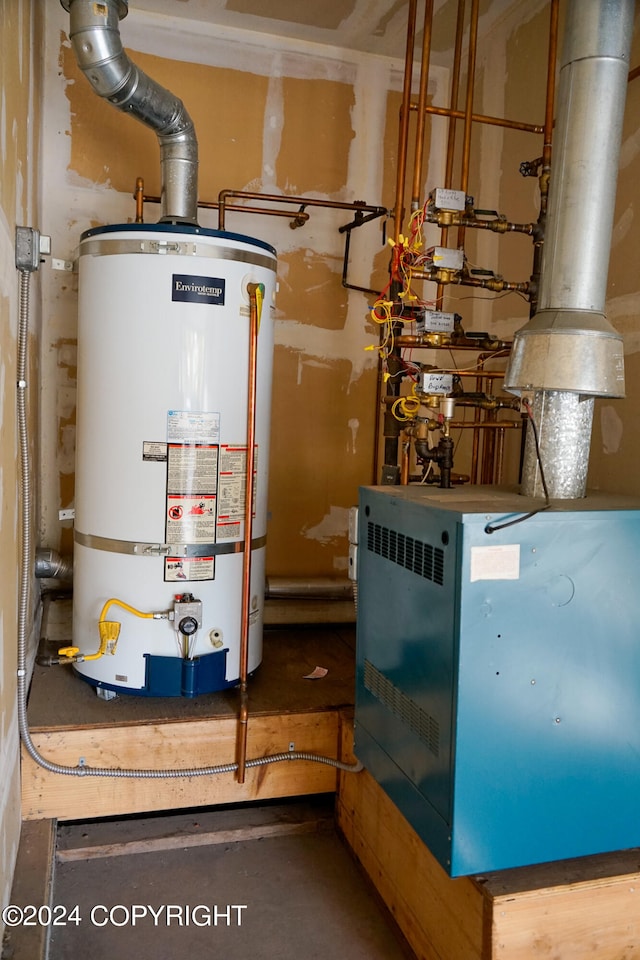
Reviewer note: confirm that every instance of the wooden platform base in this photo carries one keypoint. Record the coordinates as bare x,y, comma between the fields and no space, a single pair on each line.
572,910
194,743
70,726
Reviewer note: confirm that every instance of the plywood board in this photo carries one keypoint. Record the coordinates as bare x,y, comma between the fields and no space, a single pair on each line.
593,918
32,886
183,745
441,918
571,910
237,824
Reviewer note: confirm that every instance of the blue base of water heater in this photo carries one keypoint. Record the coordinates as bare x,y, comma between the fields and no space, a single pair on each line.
175,677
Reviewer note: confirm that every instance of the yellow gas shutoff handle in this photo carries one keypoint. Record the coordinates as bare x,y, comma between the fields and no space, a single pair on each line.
68,652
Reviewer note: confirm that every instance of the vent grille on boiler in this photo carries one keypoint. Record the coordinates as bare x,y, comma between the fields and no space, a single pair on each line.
403,707
421,558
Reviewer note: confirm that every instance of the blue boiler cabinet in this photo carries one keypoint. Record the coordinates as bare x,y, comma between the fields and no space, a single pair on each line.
498,674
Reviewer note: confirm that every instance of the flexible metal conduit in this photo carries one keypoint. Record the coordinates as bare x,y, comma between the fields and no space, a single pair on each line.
26,546
95,36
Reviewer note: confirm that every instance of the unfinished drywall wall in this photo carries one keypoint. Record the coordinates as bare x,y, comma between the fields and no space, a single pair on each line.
273,116
299,119
19,121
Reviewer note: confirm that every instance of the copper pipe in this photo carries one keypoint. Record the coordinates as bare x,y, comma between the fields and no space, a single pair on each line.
496,284
422,103
451,133
488,448
485,425
545,170
299,217
475,448
633,74
404,469
468,112
455,87
138,196
403,134
495,225
241,208
491,374
488,453
477,419
499,456
279,198
482,118
413,340
243,714
551,85
377,423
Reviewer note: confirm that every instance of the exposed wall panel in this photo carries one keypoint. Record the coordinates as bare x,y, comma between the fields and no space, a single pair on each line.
19,144
227,108
316,136
321,452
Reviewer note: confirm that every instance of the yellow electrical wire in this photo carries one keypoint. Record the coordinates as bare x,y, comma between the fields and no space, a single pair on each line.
405,408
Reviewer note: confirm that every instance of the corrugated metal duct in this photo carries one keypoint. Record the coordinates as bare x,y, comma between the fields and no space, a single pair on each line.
95,36
569,353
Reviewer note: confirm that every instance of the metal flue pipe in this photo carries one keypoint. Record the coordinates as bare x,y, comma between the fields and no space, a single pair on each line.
95,36
569,353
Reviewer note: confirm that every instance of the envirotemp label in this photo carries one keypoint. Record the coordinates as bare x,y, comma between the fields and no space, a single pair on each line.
191,289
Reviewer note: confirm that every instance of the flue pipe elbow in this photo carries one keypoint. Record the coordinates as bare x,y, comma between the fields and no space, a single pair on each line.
95,36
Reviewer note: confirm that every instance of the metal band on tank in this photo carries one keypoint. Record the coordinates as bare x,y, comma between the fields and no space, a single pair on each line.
164,549
102,248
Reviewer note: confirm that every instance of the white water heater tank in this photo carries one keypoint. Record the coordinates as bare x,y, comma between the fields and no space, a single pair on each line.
162,416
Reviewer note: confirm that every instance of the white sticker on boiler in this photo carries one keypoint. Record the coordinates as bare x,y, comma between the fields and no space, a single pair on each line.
501,562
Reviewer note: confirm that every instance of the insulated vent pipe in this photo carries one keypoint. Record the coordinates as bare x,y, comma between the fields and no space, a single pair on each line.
94,33
569,353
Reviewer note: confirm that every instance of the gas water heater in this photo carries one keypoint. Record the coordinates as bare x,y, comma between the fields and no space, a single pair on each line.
161,462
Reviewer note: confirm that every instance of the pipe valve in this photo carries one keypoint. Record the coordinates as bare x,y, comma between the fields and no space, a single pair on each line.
187,619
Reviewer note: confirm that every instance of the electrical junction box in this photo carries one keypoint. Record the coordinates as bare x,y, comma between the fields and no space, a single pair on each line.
445,199
447,258
435,321
440,383
498,674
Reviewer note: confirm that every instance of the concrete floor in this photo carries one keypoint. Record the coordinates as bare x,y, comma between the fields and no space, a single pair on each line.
270,881
297,895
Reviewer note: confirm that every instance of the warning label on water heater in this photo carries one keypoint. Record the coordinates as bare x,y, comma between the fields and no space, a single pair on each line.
232,490
192,468
182,569
191,519
188,426
192,479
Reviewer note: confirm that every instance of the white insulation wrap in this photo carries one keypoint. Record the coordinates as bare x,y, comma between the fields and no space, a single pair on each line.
163,340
